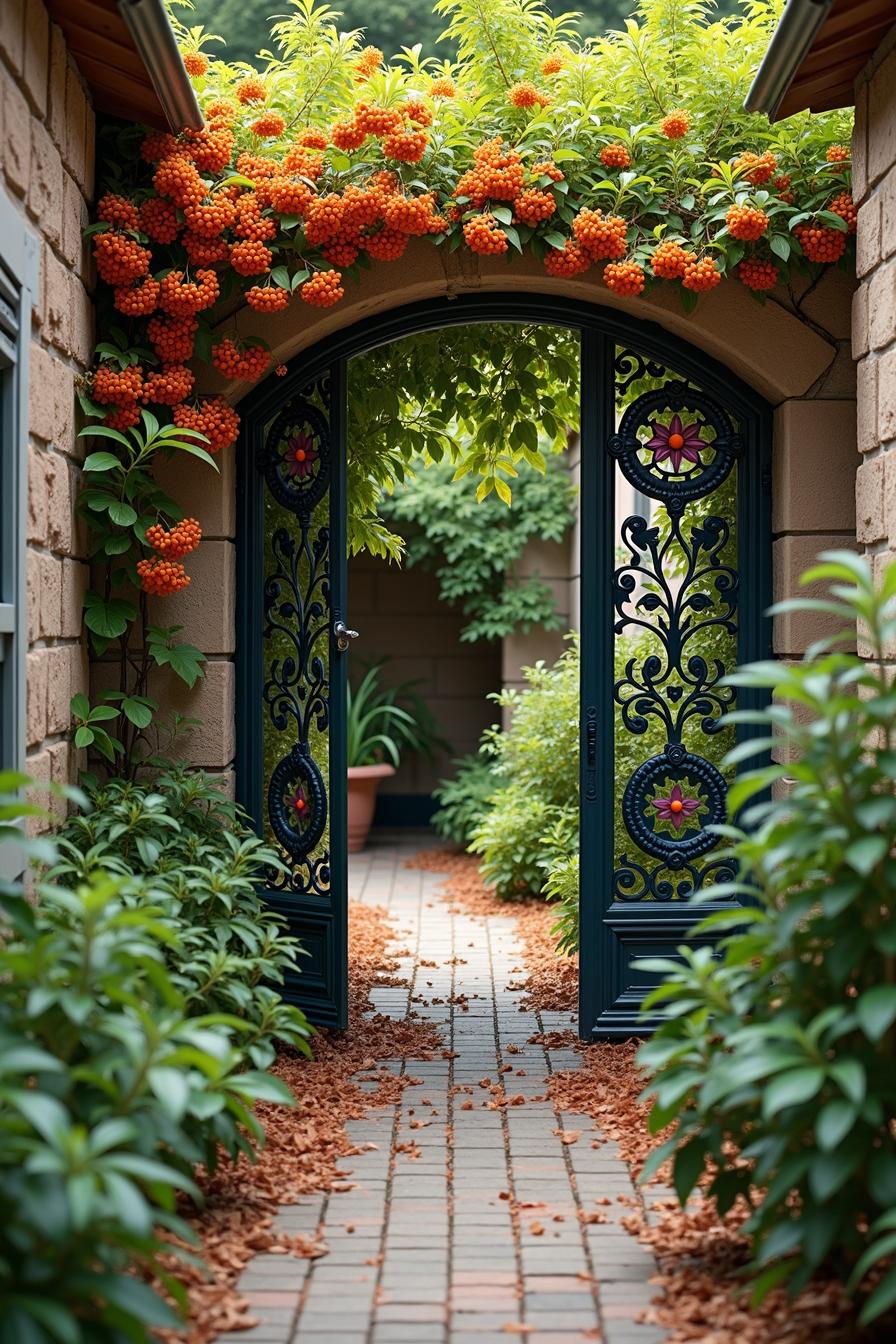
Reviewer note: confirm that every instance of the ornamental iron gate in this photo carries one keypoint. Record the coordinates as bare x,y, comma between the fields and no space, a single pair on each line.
675,570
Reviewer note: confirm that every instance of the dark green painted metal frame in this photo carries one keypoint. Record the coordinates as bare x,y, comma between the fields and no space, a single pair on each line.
611,935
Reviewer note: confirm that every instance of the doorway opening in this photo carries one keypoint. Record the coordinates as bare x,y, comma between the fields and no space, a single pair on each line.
667,583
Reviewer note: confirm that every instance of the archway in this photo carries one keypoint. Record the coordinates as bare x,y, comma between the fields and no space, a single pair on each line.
292,618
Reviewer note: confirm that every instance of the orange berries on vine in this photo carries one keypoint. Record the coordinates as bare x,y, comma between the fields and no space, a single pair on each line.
418,112
570,259
177,542
184,298
123,417
323,289
838,154
158,219
615,156
221,112
195,63
484,235
247,364
844,206
700,274
387,245
368,62
290,197
624,277
119,260
553,64
172,338
205,252
179,180
348,135
756,169
267,298
378,121
250,222
547,170
534,206
675,125
162,577
443,87
602,238
169,386
781,185
413,215
525,94
158,145
746,223
211,148
117,386
251,257
669,260
821,244
251,90
214,417
756,274
405,146
210,218
119,211
138,300
269,126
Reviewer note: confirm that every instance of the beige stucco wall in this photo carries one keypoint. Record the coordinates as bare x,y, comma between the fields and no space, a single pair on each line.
795,350
46,157
874,307
400,617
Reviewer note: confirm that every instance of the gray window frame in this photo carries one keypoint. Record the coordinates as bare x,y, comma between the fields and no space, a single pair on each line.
19,273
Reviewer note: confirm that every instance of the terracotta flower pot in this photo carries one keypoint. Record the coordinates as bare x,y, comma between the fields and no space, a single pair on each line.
363,782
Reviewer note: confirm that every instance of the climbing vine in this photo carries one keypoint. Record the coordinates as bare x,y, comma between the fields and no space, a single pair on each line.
610,156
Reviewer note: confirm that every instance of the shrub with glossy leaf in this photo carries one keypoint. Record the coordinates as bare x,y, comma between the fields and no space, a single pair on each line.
465,798
777,1064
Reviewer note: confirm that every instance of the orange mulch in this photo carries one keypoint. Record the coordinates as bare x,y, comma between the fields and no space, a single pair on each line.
305,1146
702,1294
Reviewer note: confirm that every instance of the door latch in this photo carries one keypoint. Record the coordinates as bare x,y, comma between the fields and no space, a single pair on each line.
344,635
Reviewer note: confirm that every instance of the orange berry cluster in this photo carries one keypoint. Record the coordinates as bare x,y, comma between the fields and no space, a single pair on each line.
267,298
139,299
162,577
534,206
484,235
570,259
746,223
195,63
624,277
756,168
603,238
246,364
820,243
756,274
552,65
368,62
119,260
525,94
213,417
250,257
181,297
269,126
675,125
117,386
323,289
443,87
158,219
172,338
844,206
169,386
700,274
498,174
669,261
405,146
118,211
251,90
838,154
177,542
615,156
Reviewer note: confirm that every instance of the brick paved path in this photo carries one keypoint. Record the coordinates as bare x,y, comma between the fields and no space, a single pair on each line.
449,1264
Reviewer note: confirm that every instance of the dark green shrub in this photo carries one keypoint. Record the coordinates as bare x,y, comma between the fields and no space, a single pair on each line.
465,798
777,1065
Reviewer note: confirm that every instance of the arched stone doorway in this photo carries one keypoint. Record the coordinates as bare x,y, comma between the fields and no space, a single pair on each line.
638,861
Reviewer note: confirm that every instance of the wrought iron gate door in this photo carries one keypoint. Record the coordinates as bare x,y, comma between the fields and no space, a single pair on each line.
674,565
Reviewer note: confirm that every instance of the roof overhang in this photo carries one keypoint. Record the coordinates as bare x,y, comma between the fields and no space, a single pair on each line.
127,53
816,53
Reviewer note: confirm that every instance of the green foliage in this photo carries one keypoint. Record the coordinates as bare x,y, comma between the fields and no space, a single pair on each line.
117,1073
488,399
474,547
383,722
465,798
536,764
776,1064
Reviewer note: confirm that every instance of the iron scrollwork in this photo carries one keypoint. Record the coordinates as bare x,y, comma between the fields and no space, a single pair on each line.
676,445
295,461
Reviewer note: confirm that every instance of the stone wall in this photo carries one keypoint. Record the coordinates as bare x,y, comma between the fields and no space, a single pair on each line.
874,306
47,158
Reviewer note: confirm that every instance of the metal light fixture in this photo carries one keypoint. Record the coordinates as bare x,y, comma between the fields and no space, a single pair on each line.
154,39
791,41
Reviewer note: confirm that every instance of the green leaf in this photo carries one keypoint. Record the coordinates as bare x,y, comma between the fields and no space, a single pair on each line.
122,514
109,619
791,1089
689,1162
102,462
835,1120
866,853
876,1010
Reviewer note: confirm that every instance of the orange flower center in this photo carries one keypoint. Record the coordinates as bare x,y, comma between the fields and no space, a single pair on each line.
300,804
676,441
300,454
676,805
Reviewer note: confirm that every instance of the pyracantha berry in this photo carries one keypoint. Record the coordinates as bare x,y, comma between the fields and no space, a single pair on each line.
675,125
323,289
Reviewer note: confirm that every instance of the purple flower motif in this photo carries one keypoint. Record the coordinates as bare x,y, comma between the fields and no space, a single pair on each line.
676,808
676,442
300,455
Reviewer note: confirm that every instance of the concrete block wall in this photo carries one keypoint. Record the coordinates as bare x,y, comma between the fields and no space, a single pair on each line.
47,141
874,305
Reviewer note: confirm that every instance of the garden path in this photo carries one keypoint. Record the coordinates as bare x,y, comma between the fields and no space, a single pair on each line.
483,1235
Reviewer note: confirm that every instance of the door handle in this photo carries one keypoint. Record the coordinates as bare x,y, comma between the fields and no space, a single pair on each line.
344,635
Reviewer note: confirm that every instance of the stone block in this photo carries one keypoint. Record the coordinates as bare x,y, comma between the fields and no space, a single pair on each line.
870,526
202,493
36,677
814,465
32,594
51,389
12,33
39,767
50,595
36,55
860,143
60,531
860,333
887,460
795,631
839,380
75,578
866,405
16,146
886,396
882,306
74,221
57,306
882,119
828,303
75,152
83,338
37,494
206,608
45,183
58,73
66,676
868,242
212,742
888,213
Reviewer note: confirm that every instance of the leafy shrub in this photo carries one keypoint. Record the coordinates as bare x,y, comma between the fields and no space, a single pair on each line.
130,1006
465,798
383,722
775,1065
536,764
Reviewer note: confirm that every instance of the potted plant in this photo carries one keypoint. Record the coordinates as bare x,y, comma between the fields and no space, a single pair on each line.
380,729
